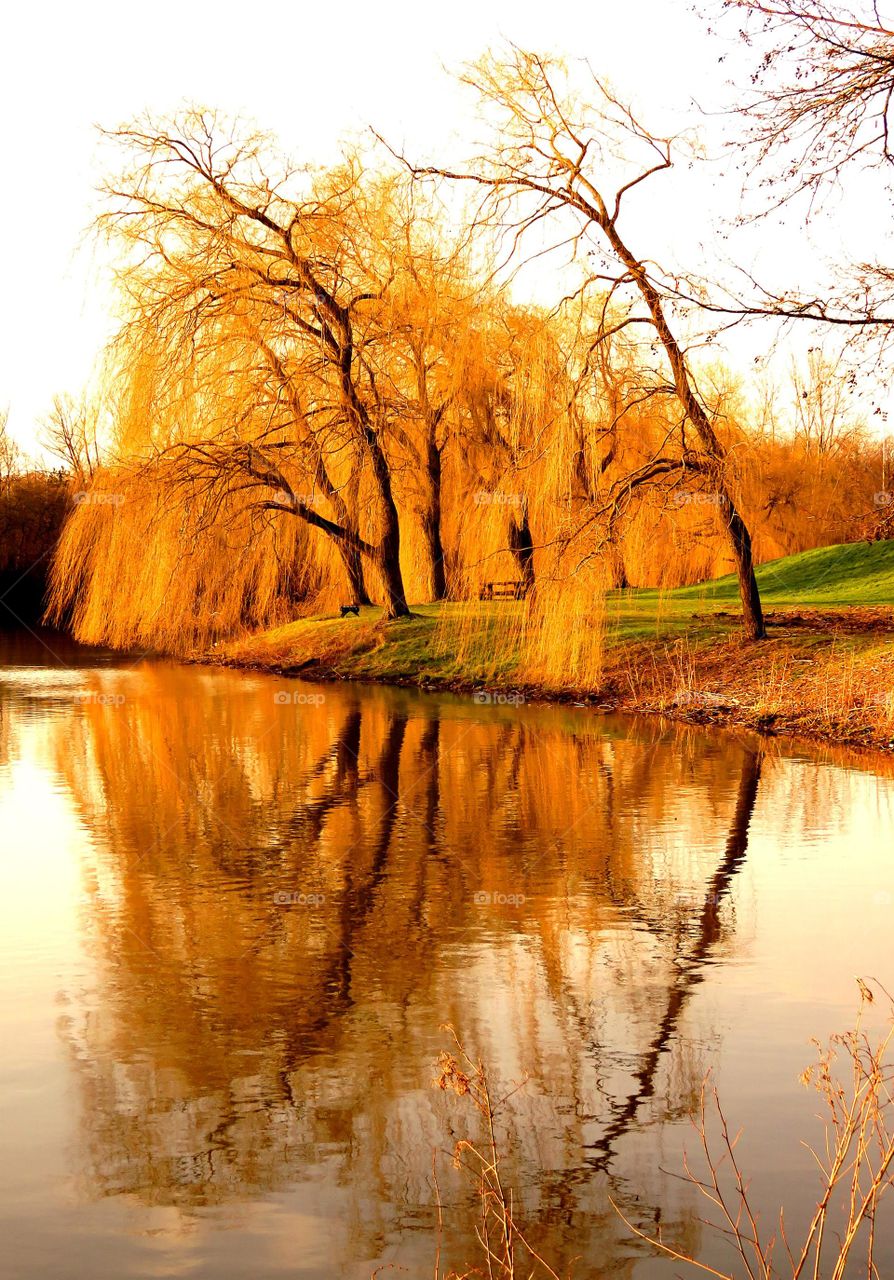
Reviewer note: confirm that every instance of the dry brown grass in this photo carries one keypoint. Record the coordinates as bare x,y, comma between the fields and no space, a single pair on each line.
801,682
503,1241
855,1164
853,1077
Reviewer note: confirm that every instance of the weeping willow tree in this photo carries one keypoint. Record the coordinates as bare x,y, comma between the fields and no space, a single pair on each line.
294,348
575,457
241,364
134,568
179,538
427,361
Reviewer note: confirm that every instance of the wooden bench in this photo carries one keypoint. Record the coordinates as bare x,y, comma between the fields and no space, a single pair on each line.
512,590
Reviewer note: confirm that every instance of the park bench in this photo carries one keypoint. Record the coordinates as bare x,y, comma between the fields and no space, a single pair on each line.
512,590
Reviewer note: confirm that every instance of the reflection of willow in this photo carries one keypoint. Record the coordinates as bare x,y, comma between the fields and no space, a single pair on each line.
692,938
690,965
234,1042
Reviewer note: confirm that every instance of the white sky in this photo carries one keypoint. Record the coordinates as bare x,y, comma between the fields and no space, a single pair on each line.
310,73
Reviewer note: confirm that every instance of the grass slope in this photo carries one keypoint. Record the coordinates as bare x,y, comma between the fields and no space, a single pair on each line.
856,573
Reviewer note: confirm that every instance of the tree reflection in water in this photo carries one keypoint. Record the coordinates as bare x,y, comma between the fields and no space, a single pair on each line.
287,901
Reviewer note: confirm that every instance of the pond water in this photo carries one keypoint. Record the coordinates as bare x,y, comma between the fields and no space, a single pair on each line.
238,911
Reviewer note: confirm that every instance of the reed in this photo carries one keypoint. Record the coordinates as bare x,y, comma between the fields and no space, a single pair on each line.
852,1076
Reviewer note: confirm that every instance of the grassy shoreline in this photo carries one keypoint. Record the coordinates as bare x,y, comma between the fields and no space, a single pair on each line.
824,674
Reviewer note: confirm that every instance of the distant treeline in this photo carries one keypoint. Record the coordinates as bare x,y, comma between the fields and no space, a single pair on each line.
33,508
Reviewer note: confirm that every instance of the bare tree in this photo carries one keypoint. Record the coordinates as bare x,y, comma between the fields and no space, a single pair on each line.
551,163
816,116
71,434
823,87
822,399
9,452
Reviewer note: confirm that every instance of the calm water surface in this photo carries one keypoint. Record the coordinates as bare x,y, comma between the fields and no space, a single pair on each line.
238,910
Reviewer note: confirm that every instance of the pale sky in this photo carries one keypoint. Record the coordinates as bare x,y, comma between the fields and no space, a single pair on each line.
311,73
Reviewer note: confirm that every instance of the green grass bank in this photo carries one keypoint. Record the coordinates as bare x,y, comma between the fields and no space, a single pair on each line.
825,671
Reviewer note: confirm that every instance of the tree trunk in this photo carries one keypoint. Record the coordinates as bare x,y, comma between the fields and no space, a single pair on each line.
350,554
388,551
752,613
521,544
345,516
431,525
387,554
431,530
388,560
752,610
620,581
353,564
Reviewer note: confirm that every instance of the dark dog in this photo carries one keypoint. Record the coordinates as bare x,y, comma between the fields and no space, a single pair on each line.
350,608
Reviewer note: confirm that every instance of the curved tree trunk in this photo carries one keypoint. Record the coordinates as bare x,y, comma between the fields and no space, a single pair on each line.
387,553
345,516
752,610
387,557
337,344
691,970
740,538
